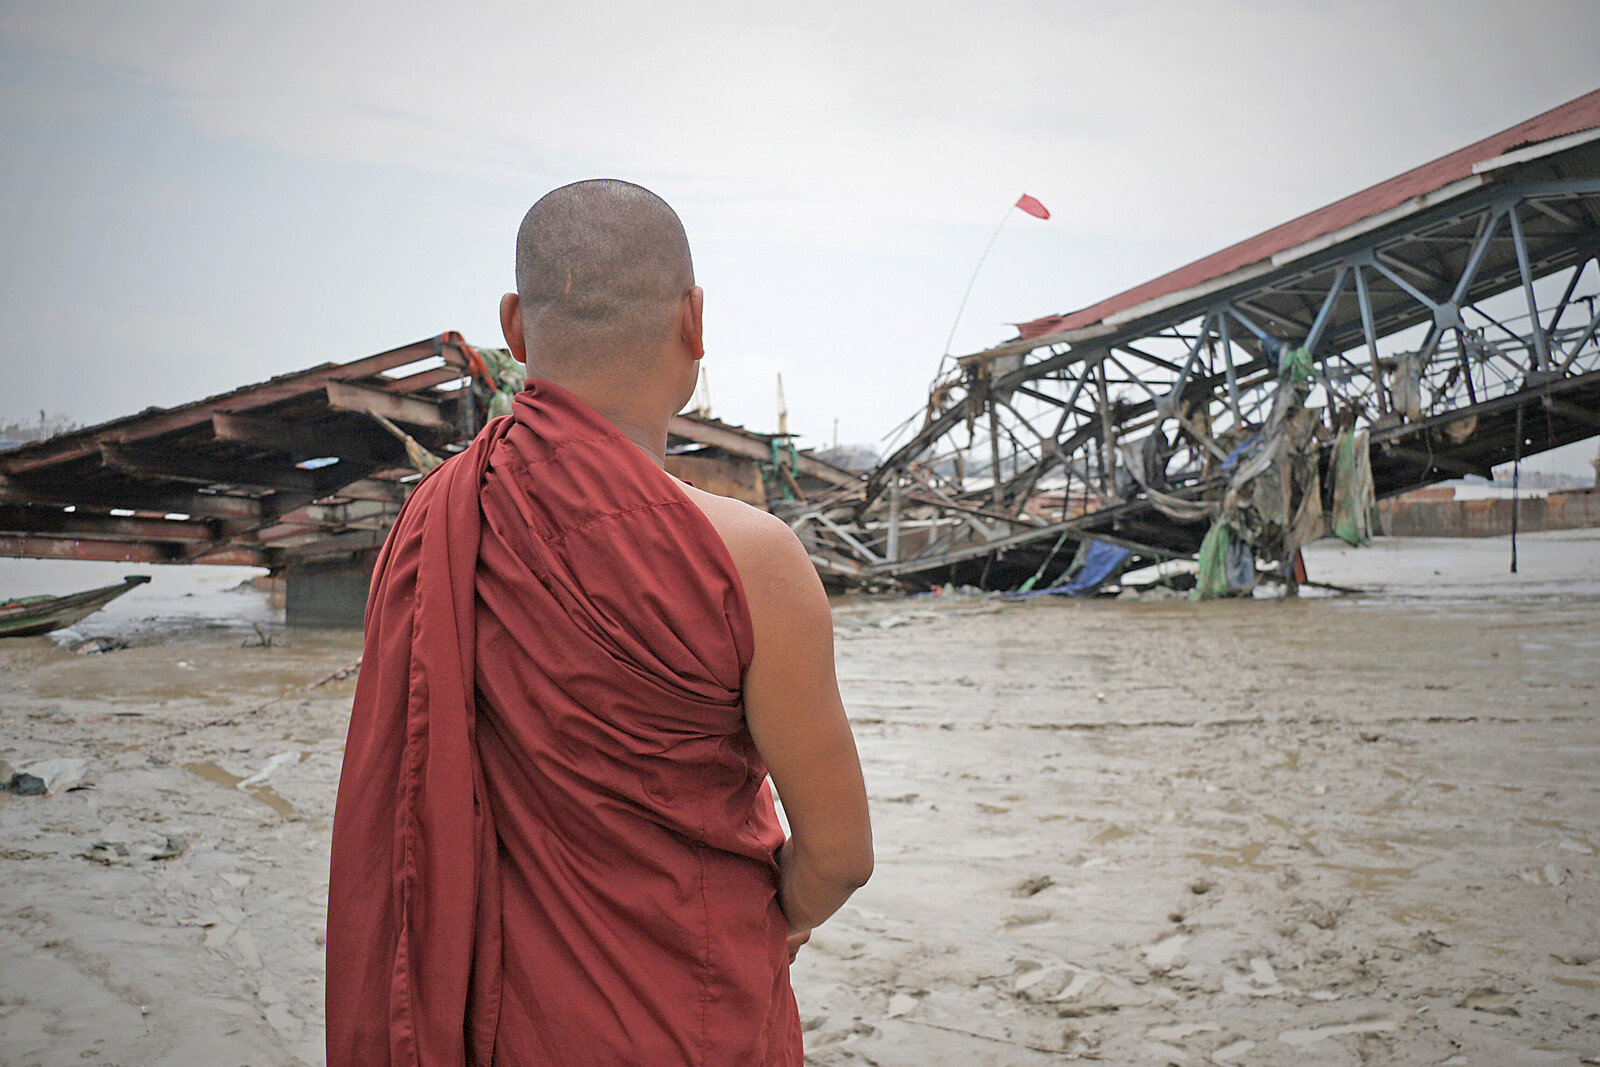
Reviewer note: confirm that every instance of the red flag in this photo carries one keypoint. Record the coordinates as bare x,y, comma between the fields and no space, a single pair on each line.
1033,207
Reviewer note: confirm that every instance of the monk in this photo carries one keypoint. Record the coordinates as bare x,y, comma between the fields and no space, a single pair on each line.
555,841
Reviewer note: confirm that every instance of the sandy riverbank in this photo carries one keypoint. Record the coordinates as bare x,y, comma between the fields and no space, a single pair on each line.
1343,830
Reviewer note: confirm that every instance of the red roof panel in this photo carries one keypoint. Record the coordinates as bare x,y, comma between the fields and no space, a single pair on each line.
1571,117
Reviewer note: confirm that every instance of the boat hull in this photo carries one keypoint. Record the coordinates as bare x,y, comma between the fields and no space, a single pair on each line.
31,616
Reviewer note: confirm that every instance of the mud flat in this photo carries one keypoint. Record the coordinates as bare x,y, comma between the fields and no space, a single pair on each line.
1333,831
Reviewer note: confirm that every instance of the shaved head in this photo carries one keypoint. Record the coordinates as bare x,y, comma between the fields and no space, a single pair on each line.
601,267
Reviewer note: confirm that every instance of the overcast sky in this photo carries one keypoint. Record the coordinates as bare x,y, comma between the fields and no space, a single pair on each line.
194,196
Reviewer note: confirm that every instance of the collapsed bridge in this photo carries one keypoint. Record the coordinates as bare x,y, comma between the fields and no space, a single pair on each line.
305,474
1444,319
1437,324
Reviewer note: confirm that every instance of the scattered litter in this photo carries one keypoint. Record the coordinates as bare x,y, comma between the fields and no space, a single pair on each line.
353,667
272,764
94,646
106,853
44,777
1033,886
263,637
175,846
196,920
1151,592
20,855
1428,942
1577,959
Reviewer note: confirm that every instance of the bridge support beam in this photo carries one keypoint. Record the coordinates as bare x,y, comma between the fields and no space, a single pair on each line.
330,594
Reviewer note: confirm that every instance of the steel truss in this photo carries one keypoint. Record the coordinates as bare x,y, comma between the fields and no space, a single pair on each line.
1034,444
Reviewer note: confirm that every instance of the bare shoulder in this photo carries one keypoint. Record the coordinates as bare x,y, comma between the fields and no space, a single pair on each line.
771,561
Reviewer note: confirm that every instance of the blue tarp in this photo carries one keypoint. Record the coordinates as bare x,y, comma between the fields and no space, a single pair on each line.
1239,450
1100,563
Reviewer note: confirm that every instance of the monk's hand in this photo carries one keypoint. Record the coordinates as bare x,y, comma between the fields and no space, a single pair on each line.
795,941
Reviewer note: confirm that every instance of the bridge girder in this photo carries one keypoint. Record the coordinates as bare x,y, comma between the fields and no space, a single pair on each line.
1458,310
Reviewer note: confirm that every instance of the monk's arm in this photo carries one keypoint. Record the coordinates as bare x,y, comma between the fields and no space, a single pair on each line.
798,721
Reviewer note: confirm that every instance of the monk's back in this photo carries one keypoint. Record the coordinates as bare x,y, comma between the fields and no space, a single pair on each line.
555,842
637,836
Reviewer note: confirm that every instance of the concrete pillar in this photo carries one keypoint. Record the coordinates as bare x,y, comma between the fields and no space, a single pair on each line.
328,593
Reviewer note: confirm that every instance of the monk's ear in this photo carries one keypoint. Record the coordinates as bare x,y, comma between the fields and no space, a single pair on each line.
694,304
511,326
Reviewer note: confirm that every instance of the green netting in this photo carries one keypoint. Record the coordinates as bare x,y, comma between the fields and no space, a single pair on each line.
1296,366
509,377
1076,565
1352,488
1212,579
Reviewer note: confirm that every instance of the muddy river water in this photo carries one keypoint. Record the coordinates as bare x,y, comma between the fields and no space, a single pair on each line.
1339,830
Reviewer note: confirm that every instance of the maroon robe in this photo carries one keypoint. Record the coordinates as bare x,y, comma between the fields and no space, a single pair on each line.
553,843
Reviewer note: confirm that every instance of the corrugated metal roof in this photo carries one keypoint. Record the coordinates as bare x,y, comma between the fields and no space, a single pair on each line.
1571,117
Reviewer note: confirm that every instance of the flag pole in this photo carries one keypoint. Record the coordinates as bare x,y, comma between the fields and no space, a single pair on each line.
948,341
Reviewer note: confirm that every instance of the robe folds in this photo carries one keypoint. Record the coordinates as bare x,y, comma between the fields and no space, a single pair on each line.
554,843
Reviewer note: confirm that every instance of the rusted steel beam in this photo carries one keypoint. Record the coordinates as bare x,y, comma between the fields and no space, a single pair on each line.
353,440
1573,411
1437,461
151,462
280,532
759,448
341,544
1581,385
916,564
157,422
395,357
231,555
411,410
427,379
326,518
28,547
364,513
243,509
53,522
371,488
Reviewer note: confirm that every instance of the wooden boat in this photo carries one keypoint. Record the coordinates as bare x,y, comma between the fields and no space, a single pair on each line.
31,615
